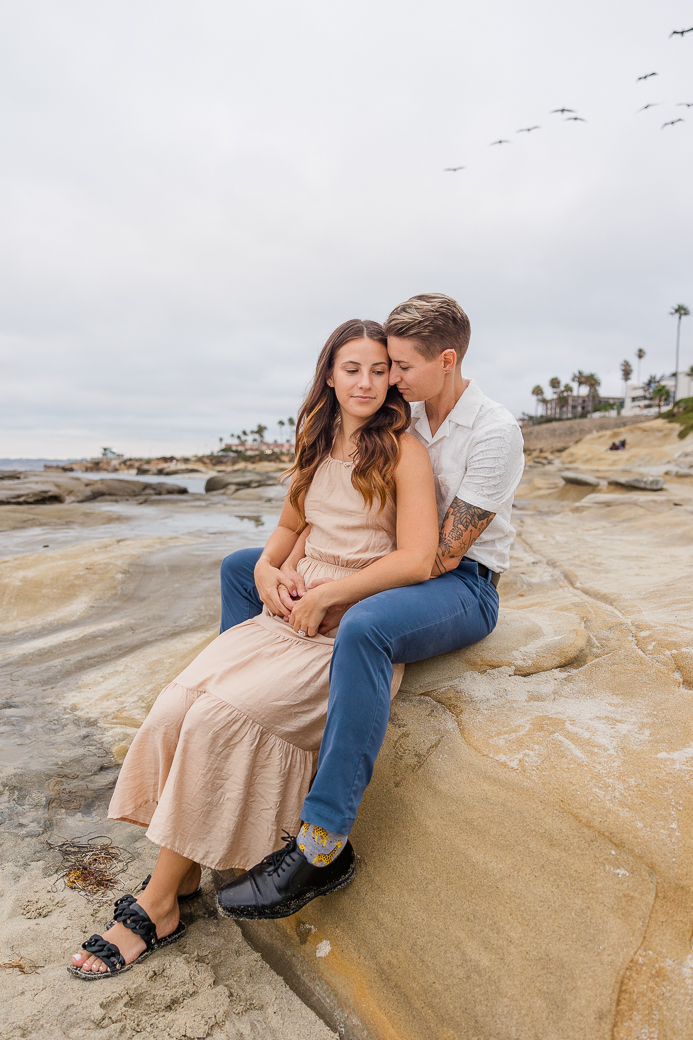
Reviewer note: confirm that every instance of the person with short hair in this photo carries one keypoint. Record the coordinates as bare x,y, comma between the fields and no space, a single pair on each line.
224,760
476,450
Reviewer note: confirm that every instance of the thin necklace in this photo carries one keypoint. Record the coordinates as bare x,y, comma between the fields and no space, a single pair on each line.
345,456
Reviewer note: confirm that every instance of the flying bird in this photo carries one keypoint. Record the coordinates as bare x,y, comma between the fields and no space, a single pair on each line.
645,77
561,110
498,142
671,122
527,129
652,104
684,104
680,32
453,169
574,119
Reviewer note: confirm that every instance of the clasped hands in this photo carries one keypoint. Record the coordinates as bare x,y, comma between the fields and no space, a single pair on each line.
305,607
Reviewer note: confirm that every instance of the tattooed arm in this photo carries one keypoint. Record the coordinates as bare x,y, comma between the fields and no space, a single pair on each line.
462,525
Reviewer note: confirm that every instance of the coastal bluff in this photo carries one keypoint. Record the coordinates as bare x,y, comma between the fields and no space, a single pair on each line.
553,436
525,849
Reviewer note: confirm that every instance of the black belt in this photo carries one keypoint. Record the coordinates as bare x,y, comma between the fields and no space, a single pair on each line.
486,572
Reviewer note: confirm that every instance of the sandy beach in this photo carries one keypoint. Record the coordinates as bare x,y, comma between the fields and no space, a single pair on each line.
100,602
561,746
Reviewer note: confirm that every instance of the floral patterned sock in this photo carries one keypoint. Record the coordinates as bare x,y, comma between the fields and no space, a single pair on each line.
319,846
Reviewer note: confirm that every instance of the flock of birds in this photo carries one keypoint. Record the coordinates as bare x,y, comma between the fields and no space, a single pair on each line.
574,118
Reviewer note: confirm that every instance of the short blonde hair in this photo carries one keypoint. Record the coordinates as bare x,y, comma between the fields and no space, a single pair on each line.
436,323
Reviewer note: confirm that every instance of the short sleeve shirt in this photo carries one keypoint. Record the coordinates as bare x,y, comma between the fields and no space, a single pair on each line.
477,456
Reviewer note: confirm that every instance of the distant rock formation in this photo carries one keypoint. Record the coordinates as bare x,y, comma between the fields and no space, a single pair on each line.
581,479
123,488
639,483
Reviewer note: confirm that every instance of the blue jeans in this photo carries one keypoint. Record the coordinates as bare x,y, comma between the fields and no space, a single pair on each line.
402,625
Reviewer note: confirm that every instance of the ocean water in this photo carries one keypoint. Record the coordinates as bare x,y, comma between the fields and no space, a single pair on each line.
33,463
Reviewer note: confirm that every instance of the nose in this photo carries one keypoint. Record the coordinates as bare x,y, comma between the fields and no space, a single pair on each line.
394,377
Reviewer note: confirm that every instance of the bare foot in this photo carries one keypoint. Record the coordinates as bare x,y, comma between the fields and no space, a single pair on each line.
165,917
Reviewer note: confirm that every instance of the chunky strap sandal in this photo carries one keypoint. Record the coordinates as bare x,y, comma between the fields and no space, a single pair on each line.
129,899
130,914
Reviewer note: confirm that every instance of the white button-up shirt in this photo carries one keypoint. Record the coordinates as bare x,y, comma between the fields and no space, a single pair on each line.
477,456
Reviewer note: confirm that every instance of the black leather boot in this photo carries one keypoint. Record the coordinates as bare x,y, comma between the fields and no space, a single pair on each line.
282,883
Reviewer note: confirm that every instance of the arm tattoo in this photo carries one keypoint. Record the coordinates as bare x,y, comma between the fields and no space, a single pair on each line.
462,525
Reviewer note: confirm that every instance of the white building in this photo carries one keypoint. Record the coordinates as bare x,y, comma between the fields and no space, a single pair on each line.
638,404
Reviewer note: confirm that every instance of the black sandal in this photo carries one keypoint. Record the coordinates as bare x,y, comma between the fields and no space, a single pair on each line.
130,914
133,899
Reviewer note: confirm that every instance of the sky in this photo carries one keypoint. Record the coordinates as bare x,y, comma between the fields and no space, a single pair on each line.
194,195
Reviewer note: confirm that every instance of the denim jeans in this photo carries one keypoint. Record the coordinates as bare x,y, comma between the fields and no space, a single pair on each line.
403,625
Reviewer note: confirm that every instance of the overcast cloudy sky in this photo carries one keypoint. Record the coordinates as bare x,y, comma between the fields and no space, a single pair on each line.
193,195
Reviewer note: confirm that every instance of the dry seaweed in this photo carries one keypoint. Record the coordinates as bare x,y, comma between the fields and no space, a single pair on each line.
21,964
91,866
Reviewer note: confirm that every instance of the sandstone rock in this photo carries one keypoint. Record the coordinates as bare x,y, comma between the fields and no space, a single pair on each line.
479,909
48,589
128,489
581,479
527,641
639,483
173,471
240,479
683,659
678,472
271,493
27,496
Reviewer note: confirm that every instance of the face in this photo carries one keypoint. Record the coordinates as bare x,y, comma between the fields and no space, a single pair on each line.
417,378
360,377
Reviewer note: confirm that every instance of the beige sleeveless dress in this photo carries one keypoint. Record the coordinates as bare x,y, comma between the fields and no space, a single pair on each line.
226,756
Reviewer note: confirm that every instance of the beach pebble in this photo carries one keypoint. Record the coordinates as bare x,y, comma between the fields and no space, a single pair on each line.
640,483
582,479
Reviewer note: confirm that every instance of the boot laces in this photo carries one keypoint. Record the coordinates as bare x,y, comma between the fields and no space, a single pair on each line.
277,860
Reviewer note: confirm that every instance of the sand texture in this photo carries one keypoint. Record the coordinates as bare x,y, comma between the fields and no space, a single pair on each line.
525,850
93,627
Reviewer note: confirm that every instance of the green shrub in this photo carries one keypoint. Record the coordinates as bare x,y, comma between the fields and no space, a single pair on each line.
681,413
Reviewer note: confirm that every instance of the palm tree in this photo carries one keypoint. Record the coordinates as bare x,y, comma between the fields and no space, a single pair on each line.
555,385
689,373
661,395
640,354
578,378
626,373
538,393
679,311
281,424
566,394
592,382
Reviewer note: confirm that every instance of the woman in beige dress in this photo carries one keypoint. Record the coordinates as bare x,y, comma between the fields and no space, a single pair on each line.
226,756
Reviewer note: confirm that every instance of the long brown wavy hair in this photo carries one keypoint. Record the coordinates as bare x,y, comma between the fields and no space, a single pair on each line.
377,440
